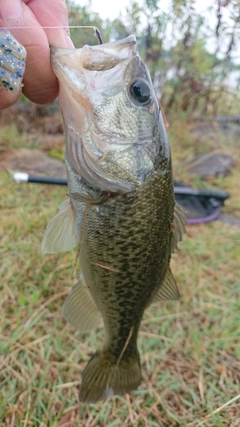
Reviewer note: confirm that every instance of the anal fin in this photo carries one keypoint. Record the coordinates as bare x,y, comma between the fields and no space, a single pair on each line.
79,308
168,290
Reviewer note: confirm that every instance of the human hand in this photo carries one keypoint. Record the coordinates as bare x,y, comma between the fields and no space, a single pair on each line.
40,83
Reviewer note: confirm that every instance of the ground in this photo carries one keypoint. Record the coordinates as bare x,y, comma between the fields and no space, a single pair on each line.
190,350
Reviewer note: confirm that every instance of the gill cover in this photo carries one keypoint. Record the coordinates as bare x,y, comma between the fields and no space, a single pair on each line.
110,113
78,71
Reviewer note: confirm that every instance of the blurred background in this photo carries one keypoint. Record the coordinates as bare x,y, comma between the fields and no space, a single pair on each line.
192,48
190,350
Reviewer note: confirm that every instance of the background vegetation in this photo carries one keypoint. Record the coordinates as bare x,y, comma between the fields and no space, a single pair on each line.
192,56
190,350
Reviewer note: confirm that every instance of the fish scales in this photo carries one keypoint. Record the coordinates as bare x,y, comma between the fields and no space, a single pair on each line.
134,242
121,213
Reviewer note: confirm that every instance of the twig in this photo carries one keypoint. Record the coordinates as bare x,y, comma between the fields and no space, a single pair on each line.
41,308
125,345
216,411
234,399
67,385
202,158
105,266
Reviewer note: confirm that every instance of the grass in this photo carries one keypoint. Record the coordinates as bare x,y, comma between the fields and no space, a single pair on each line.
190,350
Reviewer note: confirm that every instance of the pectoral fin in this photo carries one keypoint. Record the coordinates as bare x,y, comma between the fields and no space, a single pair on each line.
179,221
168,289
79,309
60,235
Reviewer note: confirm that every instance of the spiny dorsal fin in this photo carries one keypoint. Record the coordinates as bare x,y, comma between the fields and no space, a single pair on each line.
79,309
60,235
168,290
179,221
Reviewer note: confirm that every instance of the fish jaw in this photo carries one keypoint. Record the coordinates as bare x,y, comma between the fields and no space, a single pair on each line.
113,142
96,58
78,74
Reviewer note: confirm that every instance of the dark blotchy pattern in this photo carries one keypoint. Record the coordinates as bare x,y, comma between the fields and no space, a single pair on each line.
131,236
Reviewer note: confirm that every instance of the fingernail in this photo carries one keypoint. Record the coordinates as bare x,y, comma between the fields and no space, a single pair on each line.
11,9
69,42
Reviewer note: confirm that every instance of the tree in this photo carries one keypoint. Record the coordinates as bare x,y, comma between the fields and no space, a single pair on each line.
174,42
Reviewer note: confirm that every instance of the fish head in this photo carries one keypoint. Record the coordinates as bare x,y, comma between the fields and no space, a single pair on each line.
114,130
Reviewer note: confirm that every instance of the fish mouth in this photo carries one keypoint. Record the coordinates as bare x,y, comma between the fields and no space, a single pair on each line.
88,147
97,58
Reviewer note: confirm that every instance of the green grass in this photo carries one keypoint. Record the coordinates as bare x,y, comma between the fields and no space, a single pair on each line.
190,350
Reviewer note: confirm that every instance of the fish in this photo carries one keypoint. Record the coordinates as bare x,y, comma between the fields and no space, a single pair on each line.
121,214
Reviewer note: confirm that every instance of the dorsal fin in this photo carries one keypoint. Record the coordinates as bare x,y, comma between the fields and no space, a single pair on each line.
168,290
179,221
60,235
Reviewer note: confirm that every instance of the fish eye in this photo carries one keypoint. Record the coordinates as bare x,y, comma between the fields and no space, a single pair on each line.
140,92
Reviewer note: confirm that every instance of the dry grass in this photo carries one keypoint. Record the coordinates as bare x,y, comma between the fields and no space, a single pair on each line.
190,350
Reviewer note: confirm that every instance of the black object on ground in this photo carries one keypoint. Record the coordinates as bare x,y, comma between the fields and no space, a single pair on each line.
200,205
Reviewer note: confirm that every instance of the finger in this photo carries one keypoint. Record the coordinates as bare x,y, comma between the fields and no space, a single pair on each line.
52,13
7,99
41,85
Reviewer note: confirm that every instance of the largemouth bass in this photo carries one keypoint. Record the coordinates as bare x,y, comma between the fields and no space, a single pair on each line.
121,213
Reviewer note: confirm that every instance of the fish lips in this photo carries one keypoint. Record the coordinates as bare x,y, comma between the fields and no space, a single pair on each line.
70,66
100,57
117,62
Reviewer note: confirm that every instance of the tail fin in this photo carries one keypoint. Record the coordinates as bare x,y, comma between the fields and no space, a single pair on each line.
102,379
